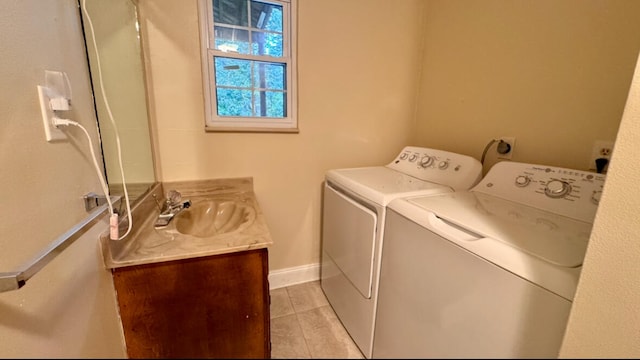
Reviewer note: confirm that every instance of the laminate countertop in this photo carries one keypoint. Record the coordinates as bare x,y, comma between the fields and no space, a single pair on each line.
180,239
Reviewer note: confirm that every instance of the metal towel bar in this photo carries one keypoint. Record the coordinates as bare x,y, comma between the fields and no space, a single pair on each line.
17,279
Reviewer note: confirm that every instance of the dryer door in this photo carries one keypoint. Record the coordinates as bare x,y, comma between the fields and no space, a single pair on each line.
349,231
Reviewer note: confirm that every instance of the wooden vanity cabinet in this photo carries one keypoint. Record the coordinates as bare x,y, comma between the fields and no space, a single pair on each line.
207,307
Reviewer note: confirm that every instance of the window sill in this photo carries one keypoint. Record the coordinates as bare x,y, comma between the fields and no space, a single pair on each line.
252,130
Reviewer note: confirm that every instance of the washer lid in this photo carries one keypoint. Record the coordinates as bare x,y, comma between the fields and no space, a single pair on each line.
381,184
553,238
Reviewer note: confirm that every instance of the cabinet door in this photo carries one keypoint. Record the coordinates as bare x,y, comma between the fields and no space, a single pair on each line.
208,307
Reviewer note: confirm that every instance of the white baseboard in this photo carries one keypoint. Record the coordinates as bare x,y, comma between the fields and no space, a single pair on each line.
294,275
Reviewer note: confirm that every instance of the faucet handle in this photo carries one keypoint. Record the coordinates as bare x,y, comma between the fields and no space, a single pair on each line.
173,197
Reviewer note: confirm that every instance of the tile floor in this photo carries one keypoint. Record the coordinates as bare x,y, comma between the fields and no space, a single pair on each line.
304,326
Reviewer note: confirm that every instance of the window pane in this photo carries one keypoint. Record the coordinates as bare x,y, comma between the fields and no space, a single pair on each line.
269,75
232,12
232,102
266,16
270,103
266,43
249,54
232,72
231,40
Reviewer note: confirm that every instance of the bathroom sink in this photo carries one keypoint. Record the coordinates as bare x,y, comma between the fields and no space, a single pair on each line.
210,217
224,217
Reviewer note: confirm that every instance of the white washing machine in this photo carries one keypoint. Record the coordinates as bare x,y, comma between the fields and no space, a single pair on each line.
354,207
485,273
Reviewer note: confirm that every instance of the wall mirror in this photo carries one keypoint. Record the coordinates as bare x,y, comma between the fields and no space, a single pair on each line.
118,74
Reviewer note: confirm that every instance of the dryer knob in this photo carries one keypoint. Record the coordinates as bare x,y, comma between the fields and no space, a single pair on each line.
426,161
404,156
443,165
522,181
557,189
413,157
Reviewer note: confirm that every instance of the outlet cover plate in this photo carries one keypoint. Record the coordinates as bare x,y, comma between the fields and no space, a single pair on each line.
51,132
512,142
601,149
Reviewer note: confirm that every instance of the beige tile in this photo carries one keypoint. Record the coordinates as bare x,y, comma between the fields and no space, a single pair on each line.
287,339
325,336
280,303
307,296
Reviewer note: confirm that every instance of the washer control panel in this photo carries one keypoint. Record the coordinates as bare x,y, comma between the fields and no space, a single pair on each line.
568,192
458,171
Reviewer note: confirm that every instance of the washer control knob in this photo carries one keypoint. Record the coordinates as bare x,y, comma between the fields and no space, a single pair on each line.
595,197
426,161
443,165
522,181
413,157
557,189
403,156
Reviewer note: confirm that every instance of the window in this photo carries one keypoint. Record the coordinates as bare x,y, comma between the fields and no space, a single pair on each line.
248,59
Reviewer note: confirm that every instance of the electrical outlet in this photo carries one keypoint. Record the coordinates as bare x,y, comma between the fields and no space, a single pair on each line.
512,142
51,132
601,149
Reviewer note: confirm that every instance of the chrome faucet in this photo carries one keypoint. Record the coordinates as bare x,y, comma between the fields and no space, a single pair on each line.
171,207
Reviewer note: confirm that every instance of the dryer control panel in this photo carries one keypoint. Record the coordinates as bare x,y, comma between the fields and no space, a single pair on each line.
460,172
567,192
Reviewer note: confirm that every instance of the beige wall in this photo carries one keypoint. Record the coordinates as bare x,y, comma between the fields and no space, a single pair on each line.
605,318
553,74
67,309
356,101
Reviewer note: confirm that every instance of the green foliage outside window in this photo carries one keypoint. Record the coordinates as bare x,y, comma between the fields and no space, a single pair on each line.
237,79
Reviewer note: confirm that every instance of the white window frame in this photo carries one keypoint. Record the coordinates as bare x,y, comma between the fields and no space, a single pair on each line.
213,122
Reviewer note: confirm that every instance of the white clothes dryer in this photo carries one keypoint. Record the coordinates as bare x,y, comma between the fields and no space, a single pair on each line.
485,273
354,208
